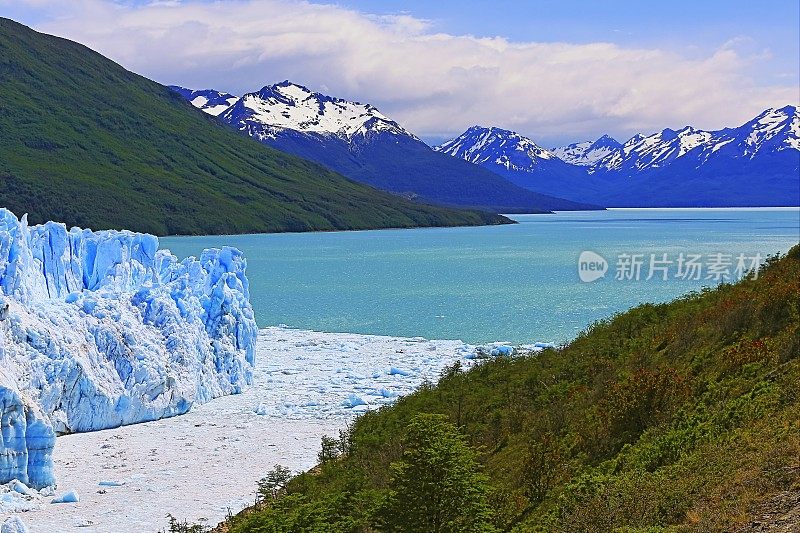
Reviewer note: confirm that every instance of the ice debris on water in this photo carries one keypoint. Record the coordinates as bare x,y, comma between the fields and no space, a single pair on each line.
502,350
67,497
20,487
111,483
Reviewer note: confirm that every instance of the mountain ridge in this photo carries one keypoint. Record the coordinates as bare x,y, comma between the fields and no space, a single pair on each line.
290,106
755,164
211,101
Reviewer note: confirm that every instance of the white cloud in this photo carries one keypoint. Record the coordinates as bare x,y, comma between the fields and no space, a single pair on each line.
433,83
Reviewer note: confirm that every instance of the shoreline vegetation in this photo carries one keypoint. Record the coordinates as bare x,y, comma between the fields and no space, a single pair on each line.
681,416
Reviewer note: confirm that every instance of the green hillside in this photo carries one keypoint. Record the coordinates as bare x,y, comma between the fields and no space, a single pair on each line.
676,417
88,143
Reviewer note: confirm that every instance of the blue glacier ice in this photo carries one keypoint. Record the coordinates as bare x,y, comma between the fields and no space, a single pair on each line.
100,329
502,350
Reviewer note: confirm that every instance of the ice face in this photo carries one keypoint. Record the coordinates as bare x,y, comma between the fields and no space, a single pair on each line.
101,329
26,441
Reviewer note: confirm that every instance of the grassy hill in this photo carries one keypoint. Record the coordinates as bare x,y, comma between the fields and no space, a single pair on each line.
676,417
86,142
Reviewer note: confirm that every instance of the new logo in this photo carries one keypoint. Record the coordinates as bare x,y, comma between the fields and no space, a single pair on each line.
591,266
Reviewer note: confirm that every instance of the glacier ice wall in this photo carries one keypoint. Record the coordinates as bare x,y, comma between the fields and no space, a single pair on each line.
101,329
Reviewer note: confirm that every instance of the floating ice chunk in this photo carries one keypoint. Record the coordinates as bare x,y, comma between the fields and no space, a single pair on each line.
261,409
67,497
111,483
502,350
538,346
353,400
13,524
467,351
394,371
22,488
385,393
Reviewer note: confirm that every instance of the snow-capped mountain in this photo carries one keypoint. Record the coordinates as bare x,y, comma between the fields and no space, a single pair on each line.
211,101
757,163
588,153
288,106
517,158
360,142
497,146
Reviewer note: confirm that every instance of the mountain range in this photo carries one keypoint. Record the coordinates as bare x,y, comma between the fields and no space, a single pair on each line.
360,142
755,164
86,142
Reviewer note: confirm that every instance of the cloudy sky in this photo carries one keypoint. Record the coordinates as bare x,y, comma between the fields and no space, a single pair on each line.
558,71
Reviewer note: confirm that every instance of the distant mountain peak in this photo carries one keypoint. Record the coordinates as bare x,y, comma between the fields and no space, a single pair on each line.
605,141
509,149
588,153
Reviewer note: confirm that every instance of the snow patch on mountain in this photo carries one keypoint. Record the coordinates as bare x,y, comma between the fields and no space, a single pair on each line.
102,329
783,124
287,106
211,101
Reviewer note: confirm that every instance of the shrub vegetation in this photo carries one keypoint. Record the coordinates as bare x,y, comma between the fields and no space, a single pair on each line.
675,417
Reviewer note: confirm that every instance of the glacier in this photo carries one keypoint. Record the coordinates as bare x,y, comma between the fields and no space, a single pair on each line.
102,329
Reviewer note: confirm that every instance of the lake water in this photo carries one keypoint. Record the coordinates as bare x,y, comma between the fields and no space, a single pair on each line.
516,283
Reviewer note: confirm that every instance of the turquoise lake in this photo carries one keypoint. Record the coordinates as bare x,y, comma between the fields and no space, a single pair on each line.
517,283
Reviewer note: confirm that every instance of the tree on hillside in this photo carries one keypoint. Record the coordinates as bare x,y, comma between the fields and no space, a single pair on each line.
437,486
276,479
